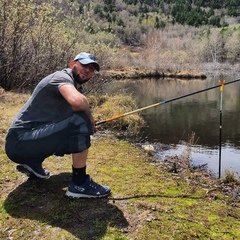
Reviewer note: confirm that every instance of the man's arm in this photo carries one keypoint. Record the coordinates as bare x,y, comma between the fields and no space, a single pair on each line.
77,100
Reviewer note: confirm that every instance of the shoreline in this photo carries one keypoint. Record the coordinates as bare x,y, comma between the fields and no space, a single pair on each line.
136,73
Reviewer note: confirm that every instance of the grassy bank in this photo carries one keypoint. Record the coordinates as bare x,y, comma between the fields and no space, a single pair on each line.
147,202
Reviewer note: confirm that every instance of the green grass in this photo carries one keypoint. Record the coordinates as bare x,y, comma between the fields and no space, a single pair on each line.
146,202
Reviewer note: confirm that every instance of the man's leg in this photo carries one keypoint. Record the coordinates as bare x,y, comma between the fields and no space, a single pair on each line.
79,161
18,152
71,135
33,169
29,148
82,186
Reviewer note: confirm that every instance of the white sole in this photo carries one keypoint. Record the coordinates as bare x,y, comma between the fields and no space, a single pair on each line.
30,170
79,195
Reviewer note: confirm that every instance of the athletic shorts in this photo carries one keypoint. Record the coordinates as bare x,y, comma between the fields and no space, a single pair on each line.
71,135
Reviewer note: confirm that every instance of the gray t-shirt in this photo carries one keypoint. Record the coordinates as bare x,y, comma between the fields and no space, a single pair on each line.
46,105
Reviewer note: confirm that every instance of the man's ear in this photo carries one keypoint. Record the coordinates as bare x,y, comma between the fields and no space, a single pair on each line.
71,64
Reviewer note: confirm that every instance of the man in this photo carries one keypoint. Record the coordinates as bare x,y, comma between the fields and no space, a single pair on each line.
56,120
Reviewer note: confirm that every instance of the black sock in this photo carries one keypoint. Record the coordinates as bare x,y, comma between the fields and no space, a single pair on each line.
79,175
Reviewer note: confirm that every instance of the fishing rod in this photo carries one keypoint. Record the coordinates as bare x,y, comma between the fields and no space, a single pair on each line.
162,102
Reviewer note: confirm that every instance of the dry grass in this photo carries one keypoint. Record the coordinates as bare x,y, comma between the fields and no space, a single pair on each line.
105,107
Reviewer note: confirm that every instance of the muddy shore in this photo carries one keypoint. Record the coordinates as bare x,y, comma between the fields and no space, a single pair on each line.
137,73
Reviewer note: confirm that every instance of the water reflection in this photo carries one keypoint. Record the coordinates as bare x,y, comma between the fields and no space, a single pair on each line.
174,121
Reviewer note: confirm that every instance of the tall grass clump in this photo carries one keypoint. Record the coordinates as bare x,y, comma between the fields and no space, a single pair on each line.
105,107
182,164
230,177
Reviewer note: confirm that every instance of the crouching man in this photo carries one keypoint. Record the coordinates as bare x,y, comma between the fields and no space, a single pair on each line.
56,120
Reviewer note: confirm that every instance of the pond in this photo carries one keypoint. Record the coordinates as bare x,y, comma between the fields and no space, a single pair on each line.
173,122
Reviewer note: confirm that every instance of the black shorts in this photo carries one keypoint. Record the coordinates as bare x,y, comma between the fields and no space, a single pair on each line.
71,135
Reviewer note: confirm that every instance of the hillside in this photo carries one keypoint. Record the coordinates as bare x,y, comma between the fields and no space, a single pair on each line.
120,17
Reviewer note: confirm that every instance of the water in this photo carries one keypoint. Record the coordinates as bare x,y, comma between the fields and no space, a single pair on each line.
174,122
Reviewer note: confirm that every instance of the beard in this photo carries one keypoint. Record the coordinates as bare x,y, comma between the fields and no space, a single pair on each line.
77,77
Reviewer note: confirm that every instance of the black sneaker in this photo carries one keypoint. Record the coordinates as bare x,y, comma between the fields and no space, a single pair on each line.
33,170
89,189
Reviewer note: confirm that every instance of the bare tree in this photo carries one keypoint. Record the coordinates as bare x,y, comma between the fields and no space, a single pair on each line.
233,47
215,45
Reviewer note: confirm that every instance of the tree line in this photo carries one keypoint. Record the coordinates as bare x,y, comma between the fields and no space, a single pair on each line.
194,13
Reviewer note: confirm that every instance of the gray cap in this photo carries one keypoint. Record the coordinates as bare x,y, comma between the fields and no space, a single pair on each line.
87,58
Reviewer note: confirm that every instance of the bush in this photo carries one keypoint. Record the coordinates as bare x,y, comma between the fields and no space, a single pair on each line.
36,40
32,42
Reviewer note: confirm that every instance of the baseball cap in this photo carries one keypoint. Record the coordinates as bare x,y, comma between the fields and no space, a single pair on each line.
87,58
